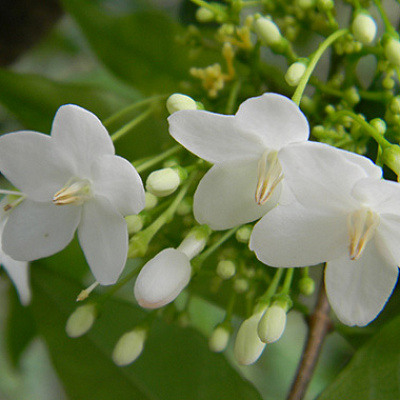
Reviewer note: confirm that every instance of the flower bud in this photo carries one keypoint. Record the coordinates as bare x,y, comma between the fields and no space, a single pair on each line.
295,73
306,286
325,5
162,278
81,320
219,339
391,157
379,124
394,105
178,102
226,269
241,285
204,15
391,49
150,201
163,182
243,233
351,96
134,223
248,346
129,347
364,28
272,324
195,242
267,31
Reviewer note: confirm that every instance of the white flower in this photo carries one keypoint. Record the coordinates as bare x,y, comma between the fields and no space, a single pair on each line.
247,148
18,271
345,216
71,180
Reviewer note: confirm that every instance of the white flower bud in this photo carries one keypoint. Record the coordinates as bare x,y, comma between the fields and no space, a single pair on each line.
226,269
129,347
163,182
194,242
219,339
162,279
150,201
392,51
178,102
295,73
81,320
134,223
248,346
364,28
267,31
272,324
243,233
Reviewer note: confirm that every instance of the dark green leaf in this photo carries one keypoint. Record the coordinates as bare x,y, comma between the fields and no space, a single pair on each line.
176,363
373,372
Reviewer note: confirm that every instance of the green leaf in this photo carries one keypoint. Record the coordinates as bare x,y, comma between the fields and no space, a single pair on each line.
175,364
34,99
373,372
140,48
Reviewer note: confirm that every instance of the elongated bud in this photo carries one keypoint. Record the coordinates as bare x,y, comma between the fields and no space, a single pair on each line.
129,347
163,182
364,28
248,346
178,102
272,324
267,31
195,241
81,320
391,47
295,73
219,339
162,279
226,269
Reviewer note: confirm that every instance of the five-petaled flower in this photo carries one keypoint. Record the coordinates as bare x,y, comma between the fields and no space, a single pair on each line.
347,216
71,180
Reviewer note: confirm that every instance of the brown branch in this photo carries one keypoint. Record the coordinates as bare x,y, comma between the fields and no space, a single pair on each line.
320,324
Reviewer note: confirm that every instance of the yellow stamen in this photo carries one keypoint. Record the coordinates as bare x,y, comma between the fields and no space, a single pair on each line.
362,225
75,192
269,175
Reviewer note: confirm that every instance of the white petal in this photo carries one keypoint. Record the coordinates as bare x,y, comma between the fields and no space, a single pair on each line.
103,236
296,236
380,195
162,278
81,137
18,271
117,180
225,196
30,162
387,236
274,118
323,176
214,137
358,290
39,229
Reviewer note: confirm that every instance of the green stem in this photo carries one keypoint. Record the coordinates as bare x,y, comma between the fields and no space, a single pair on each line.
388,26
202,3
132,107
143,165
313,62
196,262
132,124
266,297
233,95
287,283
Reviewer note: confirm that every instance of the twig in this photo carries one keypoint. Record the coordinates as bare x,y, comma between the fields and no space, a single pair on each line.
320,324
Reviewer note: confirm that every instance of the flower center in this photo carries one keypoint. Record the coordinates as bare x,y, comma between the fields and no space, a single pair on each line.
76,191
362,225
269,175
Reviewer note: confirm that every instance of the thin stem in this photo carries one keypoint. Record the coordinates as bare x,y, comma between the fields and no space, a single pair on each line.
233,97
131,125
11,192
313,62
319,326
273,286
287,283
142,166
388,26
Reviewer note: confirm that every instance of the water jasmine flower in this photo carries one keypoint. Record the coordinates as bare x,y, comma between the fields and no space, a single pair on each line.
71,180
345,216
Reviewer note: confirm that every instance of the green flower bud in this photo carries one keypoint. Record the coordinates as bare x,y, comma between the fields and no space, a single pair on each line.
219,339
163,182
391,157
134,223
178,102
295,73
81,320
150,201
226,269
267,31
240,285
325,5
394,105
204,15
379,124
306,286
243,233
272,324
248,346
129,347
364,28
351,96
391,49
